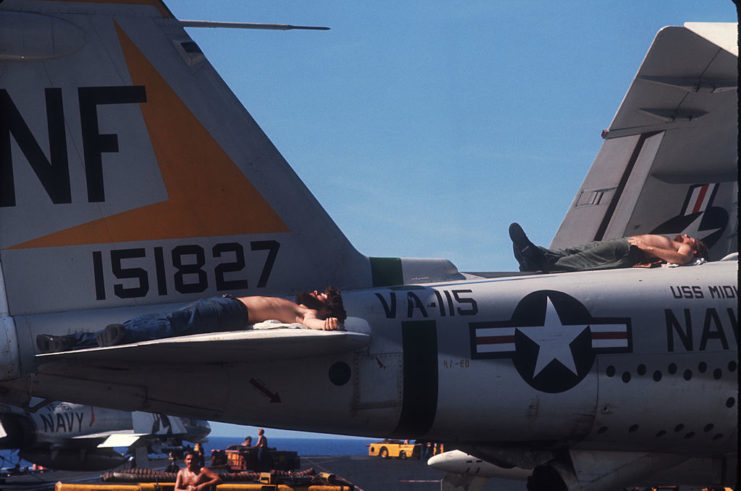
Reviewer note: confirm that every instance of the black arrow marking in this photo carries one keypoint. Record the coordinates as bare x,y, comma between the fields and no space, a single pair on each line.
259,385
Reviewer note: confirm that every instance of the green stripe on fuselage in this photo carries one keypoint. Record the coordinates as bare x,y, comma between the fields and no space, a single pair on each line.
386,271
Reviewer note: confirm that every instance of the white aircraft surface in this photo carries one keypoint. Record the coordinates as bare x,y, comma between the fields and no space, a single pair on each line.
67,436
132,181
466,472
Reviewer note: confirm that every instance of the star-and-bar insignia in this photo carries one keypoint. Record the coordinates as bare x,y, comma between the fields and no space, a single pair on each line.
502,339
551,338
698,217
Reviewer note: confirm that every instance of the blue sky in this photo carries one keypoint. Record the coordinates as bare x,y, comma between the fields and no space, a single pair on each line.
425,127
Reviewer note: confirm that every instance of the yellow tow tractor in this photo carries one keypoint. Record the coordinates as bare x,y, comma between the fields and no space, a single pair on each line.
394,448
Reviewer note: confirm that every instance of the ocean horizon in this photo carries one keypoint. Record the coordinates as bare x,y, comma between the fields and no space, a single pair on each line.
303,446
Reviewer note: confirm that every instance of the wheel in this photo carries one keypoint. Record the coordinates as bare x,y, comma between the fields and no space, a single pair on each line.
402,455
384,453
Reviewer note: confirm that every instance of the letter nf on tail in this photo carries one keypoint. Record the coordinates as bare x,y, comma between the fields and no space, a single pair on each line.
118,156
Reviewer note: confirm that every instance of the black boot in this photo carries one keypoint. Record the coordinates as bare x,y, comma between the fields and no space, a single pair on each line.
47,343
529,256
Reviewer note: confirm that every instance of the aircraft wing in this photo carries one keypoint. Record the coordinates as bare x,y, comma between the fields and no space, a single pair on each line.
108,439
102,435
221,347
121,440
669,161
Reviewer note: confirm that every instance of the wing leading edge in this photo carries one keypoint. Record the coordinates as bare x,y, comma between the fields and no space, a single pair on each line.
221,347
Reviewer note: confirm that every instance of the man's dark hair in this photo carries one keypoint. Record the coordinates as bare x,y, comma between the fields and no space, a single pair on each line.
333,307
702,249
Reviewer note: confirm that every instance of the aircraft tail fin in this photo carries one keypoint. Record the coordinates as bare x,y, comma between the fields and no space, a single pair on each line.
130,174
669,161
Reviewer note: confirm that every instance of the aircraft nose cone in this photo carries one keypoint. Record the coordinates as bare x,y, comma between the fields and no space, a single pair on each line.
446,461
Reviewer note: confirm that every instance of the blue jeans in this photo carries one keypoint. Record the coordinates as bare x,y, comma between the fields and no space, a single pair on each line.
206,315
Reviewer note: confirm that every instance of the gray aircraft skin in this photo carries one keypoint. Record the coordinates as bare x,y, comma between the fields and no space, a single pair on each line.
132,181
68,436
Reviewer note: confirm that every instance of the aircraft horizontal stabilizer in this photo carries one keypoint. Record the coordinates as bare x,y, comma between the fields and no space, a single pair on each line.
222,347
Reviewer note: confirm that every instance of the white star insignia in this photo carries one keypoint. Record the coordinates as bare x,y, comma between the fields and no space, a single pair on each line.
553,339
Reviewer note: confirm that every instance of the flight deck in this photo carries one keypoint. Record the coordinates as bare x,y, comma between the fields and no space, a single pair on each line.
364,472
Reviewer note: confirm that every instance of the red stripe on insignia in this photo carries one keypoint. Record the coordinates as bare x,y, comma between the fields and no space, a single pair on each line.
700,198
495,340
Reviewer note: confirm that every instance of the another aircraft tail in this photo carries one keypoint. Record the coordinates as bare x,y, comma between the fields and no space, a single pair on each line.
669,161
130,174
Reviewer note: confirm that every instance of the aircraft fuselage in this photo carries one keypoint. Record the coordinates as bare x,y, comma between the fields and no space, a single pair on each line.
616,359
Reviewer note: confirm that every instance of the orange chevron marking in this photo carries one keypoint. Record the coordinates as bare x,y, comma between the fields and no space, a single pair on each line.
208,195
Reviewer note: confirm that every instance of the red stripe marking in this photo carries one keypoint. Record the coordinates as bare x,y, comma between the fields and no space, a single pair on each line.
495,340
700,198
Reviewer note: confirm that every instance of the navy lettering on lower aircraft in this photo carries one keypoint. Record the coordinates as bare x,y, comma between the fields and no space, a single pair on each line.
53,172
185,268
62,422
717,328
552,340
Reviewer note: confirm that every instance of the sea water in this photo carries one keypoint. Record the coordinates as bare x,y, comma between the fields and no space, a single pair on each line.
303,446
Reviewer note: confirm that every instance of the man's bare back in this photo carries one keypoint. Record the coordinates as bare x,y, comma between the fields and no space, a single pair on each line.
267,308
